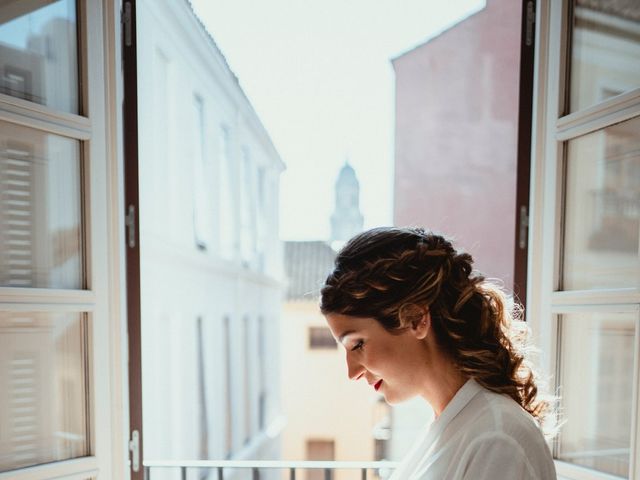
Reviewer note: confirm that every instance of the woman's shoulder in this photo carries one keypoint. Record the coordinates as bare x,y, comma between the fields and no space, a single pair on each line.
486,413
497,428
490,412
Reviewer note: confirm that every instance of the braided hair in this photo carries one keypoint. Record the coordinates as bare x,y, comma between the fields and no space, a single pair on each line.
388,274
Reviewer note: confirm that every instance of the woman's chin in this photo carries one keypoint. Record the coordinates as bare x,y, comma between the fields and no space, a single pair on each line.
391,399
395,399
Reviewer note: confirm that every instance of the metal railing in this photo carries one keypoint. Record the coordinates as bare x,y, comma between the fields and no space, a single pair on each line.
381,469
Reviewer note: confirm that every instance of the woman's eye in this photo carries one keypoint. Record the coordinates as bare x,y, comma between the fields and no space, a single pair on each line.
357,346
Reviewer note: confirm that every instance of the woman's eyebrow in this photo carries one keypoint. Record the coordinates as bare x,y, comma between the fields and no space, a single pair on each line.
348,332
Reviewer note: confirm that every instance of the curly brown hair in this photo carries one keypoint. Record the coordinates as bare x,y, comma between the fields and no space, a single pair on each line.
389,273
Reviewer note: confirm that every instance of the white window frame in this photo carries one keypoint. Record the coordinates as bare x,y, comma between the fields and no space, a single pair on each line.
550,130
100,131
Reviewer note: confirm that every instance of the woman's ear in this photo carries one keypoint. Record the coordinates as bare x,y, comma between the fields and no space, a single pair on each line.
416,317
422,325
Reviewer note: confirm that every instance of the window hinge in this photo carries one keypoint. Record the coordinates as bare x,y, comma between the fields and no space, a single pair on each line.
126,23
130,221
134,448
530,23
523,227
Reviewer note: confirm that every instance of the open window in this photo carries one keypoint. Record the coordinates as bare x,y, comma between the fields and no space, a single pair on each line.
585,263
59,237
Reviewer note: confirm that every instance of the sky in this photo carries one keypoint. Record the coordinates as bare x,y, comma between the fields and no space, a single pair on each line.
319,76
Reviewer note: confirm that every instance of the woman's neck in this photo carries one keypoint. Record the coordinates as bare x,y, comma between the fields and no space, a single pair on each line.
443,381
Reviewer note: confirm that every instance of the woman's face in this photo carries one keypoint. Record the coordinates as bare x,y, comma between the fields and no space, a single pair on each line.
394,365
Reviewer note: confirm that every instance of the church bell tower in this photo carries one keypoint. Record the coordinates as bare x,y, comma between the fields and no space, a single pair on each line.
346,220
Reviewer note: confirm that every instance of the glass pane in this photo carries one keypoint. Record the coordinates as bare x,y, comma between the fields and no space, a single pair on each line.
597,358
321,338
40,209
602,217
42,388
605,53
38,53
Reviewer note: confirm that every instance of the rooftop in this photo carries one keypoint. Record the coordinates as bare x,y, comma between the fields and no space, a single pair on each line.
307,264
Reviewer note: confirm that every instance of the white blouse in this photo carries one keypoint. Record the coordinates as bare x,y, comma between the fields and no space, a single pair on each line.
480,435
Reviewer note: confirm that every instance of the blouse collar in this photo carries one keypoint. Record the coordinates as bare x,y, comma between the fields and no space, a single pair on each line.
460,400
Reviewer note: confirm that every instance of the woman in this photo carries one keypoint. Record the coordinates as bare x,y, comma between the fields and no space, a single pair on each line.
415,320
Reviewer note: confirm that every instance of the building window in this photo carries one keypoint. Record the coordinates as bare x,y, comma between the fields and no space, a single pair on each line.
262,381
263,209
202,209
599,252
248,368
247,208
203,415
320,338
320,450
586,268
380,449
228,400
228,212
50,364
160,172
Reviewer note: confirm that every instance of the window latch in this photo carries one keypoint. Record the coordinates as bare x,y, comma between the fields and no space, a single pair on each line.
130,221
523,227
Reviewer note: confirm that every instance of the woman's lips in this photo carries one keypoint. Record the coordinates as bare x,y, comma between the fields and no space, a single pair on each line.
377,385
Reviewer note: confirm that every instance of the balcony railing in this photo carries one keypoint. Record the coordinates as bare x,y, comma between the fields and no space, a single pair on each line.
381,469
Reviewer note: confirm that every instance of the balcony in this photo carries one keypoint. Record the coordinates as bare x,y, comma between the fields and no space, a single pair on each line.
290,469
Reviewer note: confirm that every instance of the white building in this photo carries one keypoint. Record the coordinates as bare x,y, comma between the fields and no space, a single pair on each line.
211,258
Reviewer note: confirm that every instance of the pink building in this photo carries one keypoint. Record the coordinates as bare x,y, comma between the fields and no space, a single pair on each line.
456,135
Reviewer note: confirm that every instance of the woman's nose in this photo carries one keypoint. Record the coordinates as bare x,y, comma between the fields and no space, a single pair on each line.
354,369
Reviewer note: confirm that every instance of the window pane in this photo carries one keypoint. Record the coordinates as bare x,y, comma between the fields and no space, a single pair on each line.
40,209
597,358
43,410
38,53
320,450
602,217
605,54
321,338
